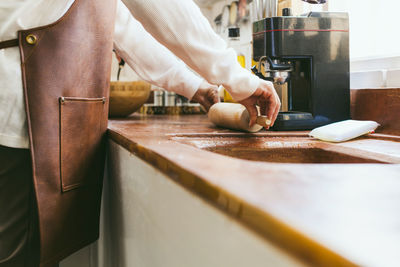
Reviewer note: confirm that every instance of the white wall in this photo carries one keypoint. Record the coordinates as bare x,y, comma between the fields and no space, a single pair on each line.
374,41
373,26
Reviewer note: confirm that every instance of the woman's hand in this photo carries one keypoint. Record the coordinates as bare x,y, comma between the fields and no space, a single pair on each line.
206,95
267,99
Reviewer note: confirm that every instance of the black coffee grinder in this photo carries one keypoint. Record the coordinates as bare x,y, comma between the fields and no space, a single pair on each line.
307,58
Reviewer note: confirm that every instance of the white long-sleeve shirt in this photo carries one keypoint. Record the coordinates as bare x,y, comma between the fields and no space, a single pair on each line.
152,61
179,25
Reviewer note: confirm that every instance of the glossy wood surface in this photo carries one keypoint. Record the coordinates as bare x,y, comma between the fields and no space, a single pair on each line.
381,105
324,214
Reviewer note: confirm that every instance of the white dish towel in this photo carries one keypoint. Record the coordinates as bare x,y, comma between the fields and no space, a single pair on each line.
343,130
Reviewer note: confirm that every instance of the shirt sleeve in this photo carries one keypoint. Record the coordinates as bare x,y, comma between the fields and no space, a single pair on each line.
152,61
182,28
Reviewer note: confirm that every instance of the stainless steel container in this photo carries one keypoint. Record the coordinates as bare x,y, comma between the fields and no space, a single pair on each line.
158,98
169,99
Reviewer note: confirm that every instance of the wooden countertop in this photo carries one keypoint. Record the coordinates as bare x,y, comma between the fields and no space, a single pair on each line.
325,214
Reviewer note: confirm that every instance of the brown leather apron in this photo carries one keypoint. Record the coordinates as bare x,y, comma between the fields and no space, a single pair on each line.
65,73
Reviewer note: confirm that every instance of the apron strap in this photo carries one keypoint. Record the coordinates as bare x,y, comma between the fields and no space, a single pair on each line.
9,43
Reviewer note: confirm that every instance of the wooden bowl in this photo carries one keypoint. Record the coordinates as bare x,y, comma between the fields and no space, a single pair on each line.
127,97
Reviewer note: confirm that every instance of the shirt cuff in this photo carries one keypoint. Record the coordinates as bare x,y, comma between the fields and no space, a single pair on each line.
184,82
242,85
193,87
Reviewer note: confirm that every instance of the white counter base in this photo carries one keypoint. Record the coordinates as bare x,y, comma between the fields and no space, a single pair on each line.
149,220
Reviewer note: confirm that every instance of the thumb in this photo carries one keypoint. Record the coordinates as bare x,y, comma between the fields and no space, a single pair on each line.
253,114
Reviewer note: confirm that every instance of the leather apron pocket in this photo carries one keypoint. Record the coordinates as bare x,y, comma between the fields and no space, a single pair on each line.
80,153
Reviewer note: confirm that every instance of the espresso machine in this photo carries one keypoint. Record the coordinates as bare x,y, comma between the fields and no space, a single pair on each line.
307,58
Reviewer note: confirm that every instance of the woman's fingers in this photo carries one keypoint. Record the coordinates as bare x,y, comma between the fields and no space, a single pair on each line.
206,95
271,100
267,99
207,104
263,106
276,111
253,112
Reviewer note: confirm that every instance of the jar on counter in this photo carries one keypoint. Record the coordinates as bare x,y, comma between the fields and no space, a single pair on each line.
158,98
169,99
